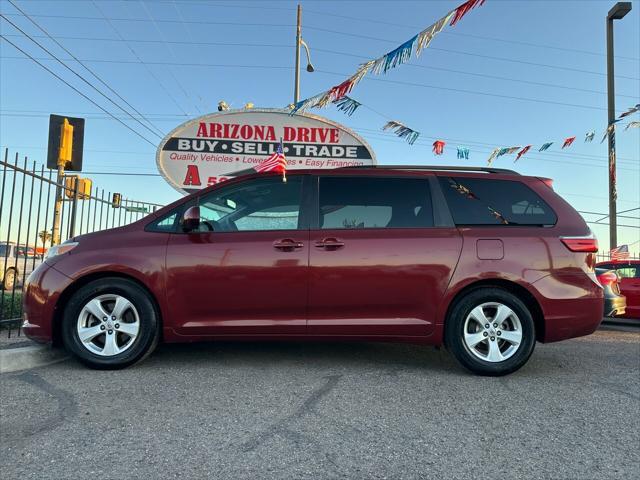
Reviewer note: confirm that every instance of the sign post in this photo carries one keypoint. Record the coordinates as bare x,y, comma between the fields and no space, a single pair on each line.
64,156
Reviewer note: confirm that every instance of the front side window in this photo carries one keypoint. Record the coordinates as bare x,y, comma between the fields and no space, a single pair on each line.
374,202
255,205
486,201
167,223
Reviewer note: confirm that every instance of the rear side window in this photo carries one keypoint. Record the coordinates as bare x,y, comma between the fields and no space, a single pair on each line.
374,202
485,201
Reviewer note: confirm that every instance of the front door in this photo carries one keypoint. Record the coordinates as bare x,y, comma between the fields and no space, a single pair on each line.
245,270
378,266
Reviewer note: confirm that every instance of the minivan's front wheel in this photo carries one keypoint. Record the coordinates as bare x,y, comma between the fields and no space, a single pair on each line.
491,332
110,323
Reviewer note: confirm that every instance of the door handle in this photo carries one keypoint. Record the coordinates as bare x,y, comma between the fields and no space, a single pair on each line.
330,243
287,244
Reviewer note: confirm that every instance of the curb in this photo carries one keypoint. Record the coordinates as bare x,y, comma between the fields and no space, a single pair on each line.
15,359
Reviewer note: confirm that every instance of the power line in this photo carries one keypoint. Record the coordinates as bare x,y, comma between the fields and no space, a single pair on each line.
480,147
485,147
309,27
337,32
78,91
461,90
153,75
95,75
374,79
155,24
345,54
459,34
79,76
381,137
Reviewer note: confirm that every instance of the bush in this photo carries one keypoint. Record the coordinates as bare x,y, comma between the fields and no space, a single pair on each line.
10,310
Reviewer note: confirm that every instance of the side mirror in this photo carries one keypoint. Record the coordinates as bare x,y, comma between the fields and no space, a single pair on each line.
191,219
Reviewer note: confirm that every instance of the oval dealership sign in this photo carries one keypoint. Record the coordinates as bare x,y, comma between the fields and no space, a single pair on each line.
205,150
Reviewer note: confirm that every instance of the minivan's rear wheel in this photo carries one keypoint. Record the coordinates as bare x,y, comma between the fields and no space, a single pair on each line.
490,331
110,323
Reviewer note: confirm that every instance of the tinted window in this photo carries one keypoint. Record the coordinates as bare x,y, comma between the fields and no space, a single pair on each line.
484,201
261,204
375,202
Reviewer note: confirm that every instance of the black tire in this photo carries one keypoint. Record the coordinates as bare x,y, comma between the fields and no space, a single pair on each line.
149,323
455,327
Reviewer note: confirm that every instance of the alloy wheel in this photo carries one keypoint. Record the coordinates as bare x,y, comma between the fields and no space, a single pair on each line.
108,325
492,332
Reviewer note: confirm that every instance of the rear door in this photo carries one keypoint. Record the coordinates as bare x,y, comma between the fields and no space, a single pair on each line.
378,265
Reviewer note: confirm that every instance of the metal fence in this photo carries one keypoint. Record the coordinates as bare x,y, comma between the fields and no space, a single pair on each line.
28,195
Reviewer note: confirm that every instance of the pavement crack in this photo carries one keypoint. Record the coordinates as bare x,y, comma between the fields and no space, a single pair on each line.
281,426
67,405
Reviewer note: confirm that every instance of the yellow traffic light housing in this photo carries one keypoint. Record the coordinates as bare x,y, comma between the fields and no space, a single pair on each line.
66,143
77,187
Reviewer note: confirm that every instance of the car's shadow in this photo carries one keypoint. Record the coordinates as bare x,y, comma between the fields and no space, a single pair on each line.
391,356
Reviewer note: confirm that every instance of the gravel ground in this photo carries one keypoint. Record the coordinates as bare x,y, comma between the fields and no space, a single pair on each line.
319,410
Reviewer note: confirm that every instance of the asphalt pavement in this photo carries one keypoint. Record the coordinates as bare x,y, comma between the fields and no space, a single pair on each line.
320,410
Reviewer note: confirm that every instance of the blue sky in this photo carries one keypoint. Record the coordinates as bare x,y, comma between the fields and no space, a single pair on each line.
510,73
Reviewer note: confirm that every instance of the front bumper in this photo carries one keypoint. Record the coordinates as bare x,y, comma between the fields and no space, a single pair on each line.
41,294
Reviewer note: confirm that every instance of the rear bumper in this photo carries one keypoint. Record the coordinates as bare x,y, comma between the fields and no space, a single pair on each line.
615,306
572,305
41,294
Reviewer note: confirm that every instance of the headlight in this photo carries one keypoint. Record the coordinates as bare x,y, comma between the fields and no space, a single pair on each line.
60,249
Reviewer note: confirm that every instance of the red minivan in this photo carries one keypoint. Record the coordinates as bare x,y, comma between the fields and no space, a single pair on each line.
484,261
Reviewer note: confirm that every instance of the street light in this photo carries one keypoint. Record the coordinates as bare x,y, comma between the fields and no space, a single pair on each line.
618,11
299,42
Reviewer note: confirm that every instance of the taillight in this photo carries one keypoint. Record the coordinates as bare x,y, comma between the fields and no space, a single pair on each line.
607,278
581,244
547,181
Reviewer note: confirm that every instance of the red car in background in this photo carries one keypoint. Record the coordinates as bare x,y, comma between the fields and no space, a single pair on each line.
629,273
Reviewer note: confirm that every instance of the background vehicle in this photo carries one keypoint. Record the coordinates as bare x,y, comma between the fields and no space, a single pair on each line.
614,303
483,260
16,262
629,273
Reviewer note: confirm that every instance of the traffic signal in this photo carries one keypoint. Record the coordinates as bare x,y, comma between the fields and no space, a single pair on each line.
116,200
66,141
78,187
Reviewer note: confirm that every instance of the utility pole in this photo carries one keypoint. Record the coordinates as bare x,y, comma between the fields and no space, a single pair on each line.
618,11
64,156
296,87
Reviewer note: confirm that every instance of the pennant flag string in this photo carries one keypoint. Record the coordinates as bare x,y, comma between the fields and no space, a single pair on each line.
390,60
438,147
568,142
463,153
632,125
630,111
522,152
402,131
347,105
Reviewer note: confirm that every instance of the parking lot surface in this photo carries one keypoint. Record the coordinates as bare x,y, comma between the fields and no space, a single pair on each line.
319,410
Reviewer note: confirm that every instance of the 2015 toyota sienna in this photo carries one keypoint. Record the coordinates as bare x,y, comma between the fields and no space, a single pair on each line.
484,261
